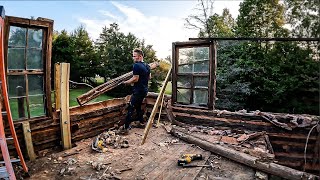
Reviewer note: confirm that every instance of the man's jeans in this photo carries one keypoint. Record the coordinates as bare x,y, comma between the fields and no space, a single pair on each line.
135,103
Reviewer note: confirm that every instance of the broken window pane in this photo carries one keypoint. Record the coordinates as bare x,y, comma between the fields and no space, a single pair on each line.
35,38
17,36
184,81
36,105
16,83
34,59
201,67
16,57
200,82
200,97
183,96
15,110
35,83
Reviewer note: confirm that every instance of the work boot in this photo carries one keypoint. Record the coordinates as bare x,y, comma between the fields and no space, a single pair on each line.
141,125
123,131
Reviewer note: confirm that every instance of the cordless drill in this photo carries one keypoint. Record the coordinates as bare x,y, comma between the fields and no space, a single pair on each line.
187,158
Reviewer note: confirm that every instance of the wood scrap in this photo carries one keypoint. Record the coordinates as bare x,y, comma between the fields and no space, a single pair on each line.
70,154
107,86
272,168
153,113
269,146
252,136
272,119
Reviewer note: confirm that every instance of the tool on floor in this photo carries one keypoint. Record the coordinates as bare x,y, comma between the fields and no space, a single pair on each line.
187,158
196,165
6,172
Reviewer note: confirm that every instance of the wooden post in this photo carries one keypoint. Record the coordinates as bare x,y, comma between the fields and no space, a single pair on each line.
28,140
64,105
21,109
57,90
155,107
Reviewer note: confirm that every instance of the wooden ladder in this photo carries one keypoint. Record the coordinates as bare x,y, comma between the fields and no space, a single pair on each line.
7,170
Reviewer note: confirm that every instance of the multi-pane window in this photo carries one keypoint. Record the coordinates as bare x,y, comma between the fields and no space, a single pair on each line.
25,67
193,76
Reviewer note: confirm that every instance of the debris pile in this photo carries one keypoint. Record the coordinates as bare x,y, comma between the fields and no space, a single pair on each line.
109,139
256,144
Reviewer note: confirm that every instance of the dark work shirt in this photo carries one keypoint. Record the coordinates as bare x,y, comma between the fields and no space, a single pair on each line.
143,70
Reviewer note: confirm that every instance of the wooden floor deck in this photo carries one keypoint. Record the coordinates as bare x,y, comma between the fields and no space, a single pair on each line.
153,160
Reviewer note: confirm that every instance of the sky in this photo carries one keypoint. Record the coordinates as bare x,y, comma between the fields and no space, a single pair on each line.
159,23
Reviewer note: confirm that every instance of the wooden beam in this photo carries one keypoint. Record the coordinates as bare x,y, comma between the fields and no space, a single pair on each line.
155,108
97,91
272,168
57,88
28,140
158,121
64,103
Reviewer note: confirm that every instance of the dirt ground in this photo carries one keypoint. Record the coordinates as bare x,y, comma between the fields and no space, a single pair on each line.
156,159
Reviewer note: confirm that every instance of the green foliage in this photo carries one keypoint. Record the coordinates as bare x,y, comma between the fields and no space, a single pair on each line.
269,76
261,19
220,26
115,53
76,49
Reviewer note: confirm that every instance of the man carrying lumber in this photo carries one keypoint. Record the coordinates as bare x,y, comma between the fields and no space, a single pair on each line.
140,78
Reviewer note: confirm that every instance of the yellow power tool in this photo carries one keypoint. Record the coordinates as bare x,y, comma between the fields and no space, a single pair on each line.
187,158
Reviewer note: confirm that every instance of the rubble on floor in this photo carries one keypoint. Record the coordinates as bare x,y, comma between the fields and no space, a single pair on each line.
109,139
253,143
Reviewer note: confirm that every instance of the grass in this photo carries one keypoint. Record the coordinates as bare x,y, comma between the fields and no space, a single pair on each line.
168,89
37,106
74,93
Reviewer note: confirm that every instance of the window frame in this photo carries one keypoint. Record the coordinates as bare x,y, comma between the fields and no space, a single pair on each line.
47,29
211,74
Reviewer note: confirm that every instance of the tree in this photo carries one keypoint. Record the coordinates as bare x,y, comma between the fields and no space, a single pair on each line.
200,21
303,17
84,61
220,26
76,49
115,54
261,19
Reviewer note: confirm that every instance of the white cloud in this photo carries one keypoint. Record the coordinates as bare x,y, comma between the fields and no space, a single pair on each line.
157,31
108,14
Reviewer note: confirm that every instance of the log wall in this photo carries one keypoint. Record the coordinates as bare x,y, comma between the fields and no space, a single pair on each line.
288,145
86,121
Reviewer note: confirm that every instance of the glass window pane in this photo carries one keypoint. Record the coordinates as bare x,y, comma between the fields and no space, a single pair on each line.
200,97
201,67
34,59
201,82
185,55
16,58
15,84
35,83
201,53
184,81
185,68
17,36
36,105
35,38
14,104
183,96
